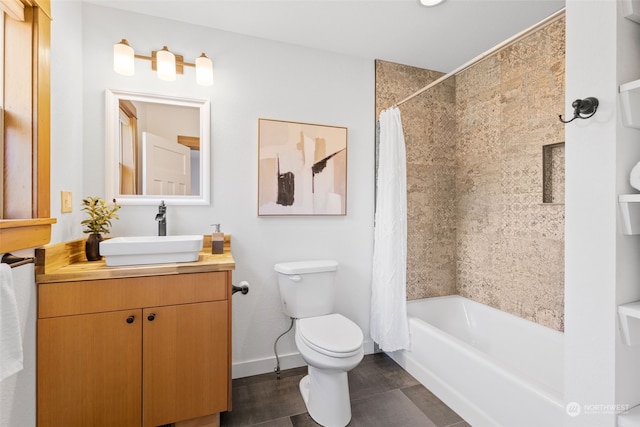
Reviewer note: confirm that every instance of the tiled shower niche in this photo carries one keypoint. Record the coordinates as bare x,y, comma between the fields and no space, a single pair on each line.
553,173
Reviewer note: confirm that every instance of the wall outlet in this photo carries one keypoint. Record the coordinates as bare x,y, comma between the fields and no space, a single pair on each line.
66,204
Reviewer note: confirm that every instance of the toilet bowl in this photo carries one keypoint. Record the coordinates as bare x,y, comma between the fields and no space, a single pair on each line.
329,343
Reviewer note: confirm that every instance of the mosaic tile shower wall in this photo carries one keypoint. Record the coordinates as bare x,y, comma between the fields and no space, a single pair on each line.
429,130
510,246
477,223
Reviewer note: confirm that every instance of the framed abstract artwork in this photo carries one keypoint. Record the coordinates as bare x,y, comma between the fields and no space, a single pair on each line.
302,169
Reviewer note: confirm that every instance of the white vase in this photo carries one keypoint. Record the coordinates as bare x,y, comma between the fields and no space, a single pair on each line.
634,177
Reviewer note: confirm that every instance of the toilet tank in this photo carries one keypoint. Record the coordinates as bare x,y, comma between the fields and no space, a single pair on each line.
307,288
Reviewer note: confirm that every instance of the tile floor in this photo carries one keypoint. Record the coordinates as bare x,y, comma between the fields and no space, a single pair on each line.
382,394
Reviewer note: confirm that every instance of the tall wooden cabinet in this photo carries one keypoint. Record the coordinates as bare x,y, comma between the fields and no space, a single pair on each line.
25,102
143,351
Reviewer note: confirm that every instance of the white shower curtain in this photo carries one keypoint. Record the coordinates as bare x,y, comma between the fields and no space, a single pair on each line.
389,325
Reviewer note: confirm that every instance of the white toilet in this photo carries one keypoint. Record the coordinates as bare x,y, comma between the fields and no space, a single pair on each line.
330,343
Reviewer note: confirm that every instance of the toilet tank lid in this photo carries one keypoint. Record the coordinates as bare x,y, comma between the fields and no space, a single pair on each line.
302,267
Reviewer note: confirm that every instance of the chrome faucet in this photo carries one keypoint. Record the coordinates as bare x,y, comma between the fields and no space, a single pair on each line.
161,217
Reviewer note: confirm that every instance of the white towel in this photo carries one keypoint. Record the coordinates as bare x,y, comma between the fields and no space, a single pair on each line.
10,335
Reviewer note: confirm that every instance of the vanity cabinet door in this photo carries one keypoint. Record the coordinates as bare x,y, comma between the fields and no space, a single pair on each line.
89,370
185,362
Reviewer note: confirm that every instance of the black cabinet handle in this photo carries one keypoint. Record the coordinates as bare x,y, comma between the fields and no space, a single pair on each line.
130,319
151,317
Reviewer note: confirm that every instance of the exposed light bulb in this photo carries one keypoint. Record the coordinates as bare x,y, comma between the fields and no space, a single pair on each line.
123,58
166,62
204,70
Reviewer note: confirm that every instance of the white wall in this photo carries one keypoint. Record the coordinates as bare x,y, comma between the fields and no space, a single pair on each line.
67,117
602,268
253,79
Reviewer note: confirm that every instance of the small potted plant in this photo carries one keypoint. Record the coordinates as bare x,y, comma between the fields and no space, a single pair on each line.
99,221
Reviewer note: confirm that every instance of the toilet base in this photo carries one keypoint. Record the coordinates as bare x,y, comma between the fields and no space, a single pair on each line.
326,396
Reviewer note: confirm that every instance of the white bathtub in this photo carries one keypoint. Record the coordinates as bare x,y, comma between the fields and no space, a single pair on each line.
492,368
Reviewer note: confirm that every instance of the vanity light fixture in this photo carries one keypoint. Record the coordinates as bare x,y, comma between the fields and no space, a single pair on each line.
164,61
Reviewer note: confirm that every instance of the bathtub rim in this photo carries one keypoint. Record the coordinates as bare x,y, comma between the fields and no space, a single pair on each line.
490,308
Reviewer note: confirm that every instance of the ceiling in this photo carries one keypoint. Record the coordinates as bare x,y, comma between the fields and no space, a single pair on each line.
439,38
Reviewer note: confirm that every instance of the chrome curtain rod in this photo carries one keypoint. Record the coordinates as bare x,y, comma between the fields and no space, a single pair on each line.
557,15
15,261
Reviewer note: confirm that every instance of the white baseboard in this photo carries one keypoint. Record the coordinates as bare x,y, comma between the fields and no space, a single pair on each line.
266,365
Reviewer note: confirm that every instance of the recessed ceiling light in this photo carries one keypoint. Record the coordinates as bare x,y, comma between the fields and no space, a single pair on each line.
430,2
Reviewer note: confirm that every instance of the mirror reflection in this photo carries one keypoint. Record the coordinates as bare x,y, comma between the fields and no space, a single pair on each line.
159,148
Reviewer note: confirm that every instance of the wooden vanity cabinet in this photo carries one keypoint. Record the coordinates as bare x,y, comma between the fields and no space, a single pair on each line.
145,351
89,370
184,362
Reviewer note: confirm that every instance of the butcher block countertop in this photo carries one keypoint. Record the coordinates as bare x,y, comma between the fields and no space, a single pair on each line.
66,262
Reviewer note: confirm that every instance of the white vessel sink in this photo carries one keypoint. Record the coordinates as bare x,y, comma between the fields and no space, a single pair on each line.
150,249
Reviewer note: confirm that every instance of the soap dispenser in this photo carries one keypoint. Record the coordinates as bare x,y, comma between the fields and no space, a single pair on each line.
217,240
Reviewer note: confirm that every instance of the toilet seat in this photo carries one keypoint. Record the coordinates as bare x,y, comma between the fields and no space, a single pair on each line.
332,335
